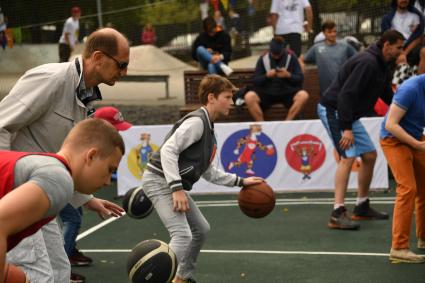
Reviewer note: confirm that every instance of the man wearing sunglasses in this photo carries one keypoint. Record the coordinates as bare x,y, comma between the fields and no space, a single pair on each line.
36,116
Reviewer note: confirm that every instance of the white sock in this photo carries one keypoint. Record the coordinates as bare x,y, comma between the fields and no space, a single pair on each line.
338,205
361,200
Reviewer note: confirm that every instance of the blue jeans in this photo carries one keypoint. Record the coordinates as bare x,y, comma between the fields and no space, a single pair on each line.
204,58
71,219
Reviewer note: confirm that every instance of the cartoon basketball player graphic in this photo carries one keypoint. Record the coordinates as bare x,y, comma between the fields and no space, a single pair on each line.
144,151
251,145
306,155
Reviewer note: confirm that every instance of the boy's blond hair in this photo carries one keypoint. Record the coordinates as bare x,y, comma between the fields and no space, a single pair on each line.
214,84
94,133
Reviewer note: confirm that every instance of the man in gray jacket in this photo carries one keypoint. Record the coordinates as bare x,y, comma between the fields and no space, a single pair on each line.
36,116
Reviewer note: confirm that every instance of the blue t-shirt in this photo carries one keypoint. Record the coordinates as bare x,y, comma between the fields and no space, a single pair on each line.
410,96
329,59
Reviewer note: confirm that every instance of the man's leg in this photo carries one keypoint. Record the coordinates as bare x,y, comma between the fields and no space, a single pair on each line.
365,148
71,220
299,101
31,255
55,248
339,218
64,52
204,57
342,175
400,159
252,101
294,42
365,173
419,166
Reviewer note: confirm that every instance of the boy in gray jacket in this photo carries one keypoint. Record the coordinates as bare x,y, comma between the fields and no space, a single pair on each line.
185,156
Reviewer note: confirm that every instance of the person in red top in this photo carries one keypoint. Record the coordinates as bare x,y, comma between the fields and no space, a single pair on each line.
35,186
148,34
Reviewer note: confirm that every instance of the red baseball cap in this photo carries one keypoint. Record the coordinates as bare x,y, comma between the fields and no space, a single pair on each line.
113,116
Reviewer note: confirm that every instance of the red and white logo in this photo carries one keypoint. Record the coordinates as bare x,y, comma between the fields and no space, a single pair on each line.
305,154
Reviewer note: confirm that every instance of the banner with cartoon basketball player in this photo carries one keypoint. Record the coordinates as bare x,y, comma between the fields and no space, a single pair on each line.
291,156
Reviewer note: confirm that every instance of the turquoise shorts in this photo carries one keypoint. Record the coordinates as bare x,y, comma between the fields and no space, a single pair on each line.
362,141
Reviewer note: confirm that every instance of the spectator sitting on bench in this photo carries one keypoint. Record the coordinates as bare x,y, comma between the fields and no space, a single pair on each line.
212,48
278,78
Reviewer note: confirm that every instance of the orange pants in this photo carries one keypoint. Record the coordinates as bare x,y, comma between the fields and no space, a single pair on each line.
408,167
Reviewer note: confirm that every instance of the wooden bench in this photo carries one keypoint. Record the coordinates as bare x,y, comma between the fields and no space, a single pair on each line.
242,77
150,79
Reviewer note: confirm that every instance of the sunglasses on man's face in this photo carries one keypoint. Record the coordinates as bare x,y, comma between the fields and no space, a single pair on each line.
120,65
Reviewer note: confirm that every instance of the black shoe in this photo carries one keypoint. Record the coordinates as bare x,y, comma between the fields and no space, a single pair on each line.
190,280
363,211
77,278
340,220
79,259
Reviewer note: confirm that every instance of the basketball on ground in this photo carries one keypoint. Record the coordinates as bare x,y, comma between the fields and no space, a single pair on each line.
151,261
14,274
136,204
257,200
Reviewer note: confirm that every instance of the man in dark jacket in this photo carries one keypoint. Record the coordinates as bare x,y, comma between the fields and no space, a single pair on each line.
212,48
278,78
409,21
361,81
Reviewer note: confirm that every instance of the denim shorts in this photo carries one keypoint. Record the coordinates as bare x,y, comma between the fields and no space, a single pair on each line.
362,142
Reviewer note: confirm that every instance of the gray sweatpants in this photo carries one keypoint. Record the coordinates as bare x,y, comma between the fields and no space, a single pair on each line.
187,230
42,256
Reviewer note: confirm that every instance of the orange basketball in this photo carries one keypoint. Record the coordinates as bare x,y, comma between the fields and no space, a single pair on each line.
257,200
14,274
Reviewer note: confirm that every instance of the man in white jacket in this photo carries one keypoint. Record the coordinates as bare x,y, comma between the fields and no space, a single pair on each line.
36,116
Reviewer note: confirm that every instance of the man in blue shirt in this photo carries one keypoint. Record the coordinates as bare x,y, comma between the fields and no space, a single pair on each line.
403,143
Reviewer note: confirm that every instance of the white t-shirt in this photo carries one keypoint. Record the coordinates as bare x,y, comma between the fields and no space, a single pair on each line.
405,23
291,15
420,8
71,27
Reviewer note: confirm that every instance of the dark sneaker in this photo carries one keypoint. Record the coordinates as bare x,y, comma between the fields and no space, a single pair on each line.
77,278
340,220
363,211
190,280
79,259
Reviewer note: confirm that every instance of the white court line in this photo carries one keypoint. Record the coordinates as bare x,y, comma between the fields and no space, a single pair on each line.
97,227
299,200
227,203
254,252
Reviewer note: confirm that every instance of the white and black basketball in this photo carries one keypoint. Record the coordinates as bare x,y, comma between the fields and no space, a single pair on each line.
151,261
136,204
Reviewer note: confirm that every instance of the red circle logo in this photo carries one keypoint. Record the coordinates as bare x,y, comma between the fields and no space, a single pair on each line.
305,154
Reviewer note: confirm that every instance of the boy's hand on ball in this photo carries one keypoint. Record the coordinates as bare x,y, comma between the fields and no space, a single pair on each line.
252,180
180,202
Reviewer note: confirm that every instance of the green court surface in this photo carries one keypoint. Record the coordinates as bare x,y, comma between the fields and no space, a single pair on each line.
292,244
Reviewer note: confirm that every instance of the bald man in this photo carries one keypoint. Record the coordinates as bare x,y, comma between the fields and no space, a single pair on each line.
36,116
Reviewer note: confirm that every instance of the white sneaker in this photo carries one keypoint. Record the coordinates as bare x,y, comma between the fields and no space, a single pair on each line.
226,69
405,255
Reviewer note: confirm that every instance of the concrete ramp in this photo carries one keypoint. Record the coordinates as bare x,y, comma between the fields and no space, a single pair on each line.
149,60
